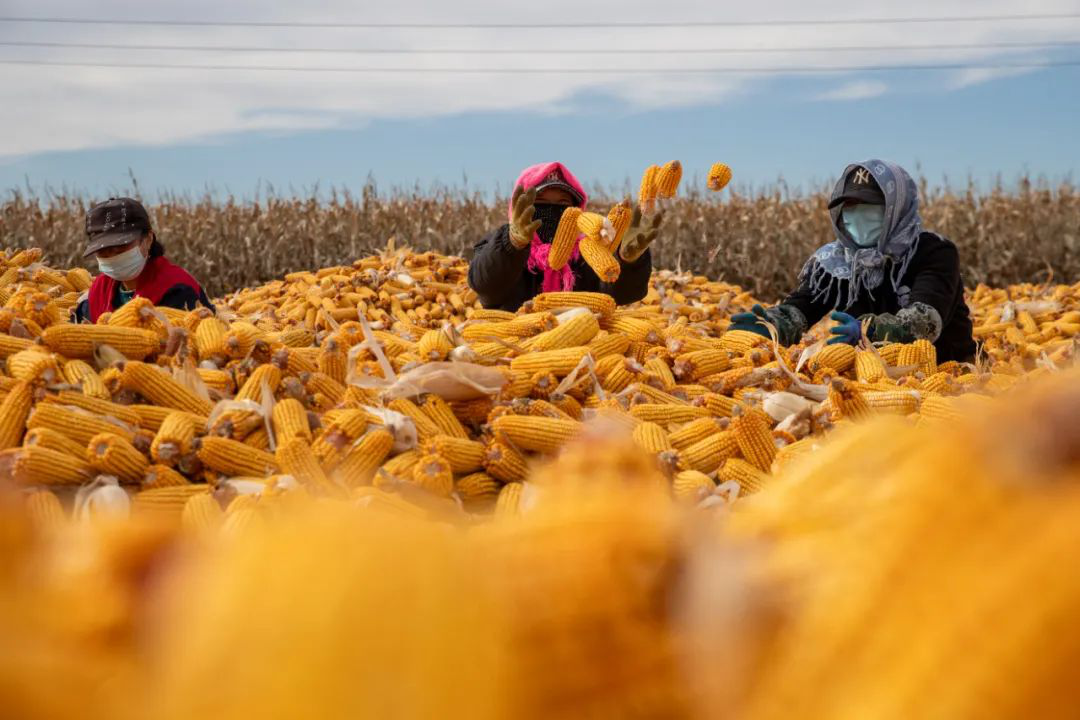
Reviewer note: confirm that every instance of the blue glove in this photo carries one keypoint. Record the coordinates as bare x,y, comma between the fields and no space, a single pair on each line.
751,321
849,329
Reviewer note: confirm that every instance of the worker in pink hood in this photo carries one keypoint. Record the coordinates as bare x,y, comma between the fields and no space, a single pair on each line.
510,265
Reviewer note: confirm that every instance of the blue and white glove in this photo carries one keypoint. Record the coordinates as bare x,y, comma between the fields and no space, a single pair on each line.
848,330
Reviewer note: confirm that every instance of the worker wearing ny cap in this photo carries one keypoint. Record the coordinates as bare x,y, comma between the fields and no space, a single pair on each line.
510,264
883,272
132,263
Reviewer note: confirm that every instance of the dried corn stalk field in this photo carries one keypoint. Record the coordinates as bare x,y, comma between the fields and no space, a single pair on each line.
756,241
353,492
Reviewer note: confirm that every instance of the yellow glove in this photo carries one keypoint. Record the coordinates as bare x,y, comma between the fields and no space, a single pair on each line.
522,225
638,238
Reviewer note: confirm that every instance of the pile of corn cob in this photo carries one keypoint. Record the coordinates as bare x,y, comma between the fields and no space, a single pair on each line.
386,380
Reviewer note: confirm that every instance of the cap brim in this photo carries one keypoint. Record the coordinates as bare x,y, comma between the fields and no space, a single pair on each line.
111,240
872,198
562,186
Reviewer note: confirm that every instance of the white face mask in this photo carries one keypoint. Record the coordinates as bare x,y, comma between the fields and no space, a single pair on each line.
125,266
864,223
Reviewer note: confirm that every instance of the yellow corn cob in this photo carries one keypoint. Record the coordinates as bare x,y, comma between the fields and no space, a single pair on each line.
79,278
664,414
173,439
234,458
425,427
741,342
562,246
839,357
754,439
318,383
83,374
508,503
219,380
151,417
597,227
366,456
504,463
463,455
868,367
79,341
937,407
111,454
749,477
601,303
560,362
576,331
290,420
296,458
600,259
900,402
162,476
34,365
434,475
636,329
14,411
651,438
696,431
620,217
847,400
539,434
10,345
607,343
201,512
264,375
167,500
647,192
161,389
719,177
692,485
53,440
79,425
709,453
443,416
477,489
668,179
44,510
258,439
36,465
105,408
240,339
701,363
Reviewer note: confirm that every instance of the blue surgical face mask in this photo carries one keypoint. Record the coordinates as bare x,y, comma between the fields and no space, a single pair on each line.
864,223
125,266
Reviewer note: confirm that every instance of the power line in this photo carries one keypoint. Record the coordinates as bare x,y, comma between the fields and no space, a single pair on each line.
569,51
565,25
552,71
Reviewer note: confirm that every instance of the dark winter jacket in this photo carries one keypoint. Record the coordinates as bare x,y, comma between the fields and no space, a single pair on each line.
500,278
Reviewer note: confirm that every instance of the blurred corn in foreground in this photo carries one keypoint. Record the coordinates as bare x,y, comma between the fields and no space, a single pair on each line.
355,492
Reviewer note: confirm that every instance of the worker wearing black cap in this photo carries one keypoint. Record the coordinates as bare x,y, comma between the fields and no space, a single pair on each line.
882,268
132,263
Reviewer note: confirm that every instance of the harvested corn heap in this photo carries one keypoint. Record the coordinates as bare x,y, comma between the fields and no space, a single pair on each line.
888,575
385,380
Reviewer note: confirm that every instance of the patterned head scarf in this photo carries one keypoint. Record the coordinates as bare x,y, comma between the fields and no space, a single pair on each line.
843,263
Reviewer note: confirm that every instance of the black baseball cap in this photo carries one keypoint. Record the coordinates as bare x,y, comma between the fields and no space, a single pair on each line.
860,186
115,222
555,179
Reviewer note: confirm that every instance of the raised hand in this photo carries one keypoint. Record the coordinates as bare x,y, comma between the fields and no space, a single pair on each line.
638,237
522,224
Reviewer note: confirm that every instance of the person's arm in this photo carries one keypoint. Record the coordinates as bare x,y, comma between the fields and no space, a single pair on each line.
496,267
933,292
81,313
633,282
181,297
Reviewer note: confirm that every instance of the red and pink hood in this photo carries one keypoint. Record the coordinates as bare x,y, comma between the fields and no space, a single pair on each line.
531,177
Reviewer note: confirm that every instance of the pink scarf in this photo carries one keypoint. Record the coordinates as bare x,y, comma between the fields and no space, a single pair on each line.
554,280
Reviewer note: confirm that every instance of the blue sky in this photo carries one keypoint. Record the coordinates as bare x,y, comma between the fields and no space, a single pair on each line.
187,131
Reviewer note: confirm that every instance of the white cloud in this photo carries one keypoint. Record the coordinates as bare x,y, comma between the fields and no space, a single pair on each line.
855,90
58,108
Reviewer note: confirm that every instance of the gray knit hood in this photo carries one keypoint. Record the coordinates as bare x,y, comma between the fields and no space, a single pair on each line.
851,269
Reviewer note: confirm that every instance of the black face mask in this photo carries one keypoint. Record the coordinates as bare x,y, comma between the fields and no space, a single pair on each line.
549,215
